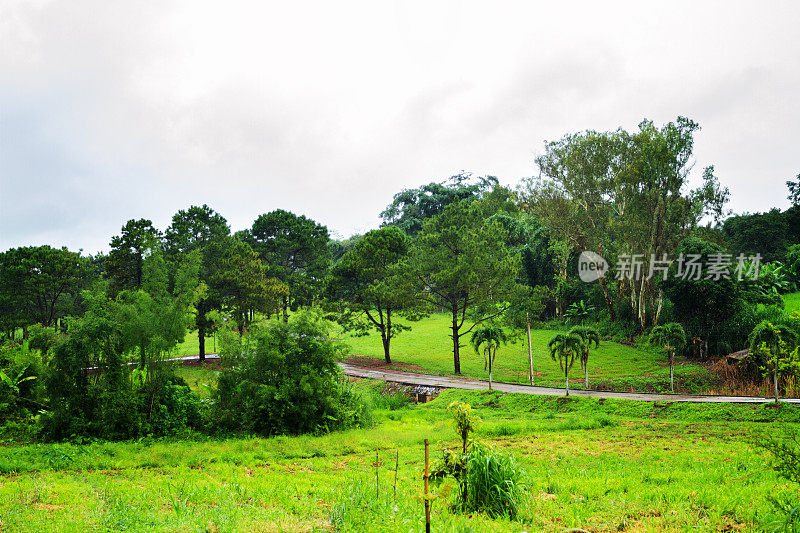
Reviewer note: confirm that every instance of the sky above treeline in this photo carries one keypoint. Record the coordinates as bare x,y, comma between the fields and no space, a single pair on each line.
117,110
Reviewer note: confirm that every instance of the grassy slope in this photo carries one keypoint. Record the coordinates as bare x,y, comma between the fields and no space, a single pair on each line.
587,466
428,345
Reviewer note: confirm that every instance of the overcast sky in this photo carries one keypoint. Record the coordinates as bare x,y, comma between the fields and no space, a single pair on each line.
118,110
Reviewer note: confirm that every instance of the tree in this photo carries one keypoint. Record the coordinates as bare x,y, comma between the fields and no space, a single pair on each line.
239,281
192,230
623,194
794,190
283,378
489,338
154,319
704,304
294,250
771,347
125,261
589,336
766,234
463,264
410,208
671,337
564,347
374,278
39,284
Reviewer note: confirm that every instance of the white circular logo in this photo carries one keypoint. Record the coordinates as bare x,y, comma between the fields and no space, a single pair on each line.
591,266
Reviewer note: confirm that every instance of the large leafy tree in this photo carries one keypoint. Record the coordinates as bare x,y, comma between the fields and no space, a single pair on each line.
39,284
294,250
154,319
462,261
192,230
671,338
410,208
766,234
374,279
239,282
625,193
702,305
125,262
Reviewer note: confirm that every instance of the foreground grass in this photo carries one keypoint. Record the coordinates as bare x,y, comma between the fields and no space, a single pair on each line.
611,366
598,465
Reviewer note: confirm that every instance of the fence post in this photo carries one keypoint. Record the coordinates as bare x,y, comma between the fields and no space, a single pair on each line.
427,502
396,466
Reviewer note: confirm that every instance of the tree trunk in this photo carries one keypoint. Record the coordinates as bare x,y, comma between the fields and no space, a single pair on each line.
566,379
201,338
586,375
454,328
775,380
286,309
386,336
491,358
609,302
671,372
530,349
142,357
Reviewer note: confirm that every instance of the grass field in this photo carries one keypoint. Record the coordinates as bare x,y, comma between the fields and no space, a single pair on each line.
600,466
611,366
791,302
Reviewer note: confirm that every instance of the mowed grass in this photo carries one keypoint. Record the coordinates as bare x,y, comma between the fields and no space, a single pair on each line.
791,302
611,366
599,466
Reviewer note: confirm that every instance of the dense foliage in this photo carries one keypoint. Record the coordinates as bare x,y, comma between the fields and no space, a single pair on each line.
284,379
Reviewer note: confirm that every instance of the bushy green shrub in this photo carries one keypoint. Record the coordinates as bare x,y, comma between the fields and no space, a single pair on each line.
21,388
94,393
283,379
494,482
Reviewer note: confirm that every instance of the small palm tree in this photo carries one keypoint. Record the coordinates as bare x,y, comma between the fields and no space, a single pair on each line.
590,336
564,347
671,337
768,339
489,338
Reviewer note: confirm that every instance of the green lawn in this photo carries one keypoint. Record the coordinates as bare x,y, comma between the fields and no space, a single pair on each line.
613,365
599,466
791,302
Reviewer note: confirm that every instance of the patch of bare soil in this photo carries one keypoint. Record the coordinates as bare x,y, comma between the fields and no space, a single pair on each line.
379,364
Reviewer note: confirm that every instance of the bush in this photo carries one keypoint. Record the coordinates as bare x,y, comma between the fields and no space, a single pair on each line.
283,379
493,482
95,394
21,388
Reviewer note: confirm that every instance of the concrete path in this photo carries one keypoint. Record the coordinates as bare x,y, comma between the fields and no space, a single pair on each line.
449,382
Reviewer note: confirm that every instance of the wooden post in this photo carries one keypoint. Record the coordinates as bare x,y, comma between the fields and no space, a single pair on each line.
530,350
377,486
396,466
427,503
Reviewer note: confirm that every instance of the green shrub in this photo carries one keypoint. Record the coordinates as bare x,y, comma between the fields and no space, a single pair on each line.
283,379
493,482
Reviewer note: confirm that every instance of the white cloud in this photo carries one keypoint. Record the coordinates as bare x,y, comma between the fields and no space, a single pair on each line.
114,111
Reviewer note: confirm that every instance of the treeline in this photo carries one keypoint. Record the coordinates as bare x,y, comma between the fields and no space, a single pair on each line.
467,246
